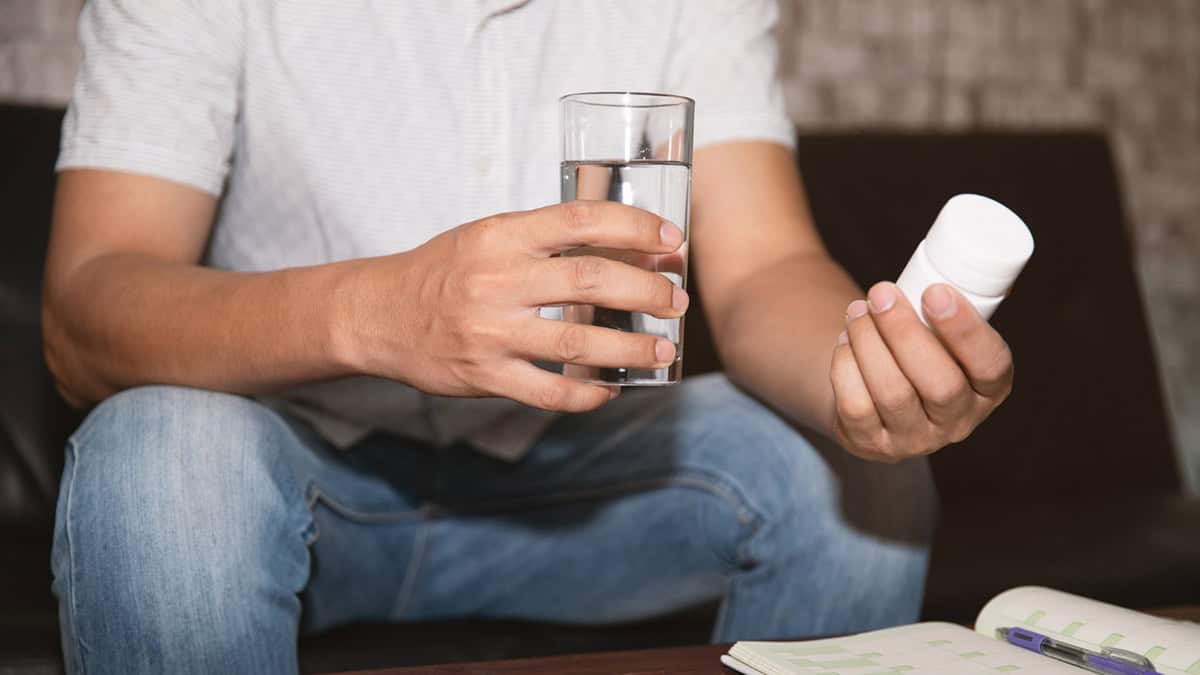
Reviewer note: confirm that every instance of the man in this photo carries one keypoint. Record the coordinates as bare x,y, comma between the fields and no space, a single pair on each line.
297,257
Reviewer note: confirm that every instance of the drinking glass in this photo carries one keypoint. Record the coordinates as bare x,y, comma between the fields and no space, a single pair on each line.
633,148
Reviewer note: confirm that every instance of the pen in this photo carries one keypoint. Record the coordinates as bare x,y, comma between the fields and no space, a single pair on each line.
1108,661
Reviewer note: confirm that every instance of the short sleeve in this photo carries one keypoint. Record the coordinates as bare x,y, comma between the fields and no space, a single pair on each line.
727,59
157,90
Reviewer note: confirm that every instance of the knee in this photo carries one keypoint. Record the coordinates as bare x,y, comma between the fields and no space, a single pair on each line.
773,484
177,438
814,493
768,462
154,469
799,487
170,417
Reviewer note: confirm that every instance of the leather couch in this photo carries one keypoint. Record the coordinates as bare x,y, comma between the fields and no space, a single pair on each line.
1073,482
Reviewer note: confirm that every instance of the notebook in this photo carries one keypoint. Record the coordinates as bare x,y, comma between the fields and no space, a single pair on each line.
947,649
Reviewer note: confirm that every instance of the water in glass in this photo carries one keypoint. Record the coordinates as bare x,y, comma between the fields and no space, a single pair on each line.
661,188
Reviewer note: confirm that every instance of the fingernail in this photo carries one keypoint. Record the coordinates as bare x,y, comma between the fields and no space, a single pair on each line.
612,392
856,309
842,338
670,235
881,298
664,351
939,302
679,298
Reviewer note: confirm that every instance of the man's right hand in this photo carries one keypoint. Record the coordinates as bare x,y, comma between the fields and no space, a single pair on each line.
458,316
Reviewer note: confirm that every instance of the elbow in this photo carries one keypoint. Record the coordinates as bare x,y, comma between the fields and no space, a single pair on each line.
59,355
727,342
734,364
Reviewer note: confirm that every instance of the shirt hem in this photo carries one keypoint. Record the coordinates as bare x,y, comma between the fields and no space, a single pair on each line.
147,160
722,129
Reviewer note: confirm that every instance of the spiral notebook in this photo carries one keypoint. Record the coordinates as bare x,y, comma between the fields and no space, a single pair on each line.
947,649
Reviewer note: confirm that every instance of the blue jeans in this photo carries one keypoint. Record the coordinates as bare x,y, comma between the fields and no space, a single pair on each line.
203,532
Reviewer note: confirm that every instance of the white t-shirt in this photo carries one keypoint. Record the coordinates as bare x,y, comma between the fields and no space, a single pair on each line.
337,129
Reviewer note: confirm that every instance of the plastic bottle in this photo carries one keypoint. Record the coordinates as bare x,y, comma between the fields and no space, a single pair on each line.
977,245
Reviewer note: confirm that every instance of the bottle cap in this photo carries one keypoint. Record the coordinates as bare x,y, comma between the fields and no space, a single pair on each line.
978,244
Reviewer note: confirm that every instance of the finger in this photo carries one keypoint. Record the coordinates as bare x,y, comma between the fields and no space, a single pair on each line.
857,416
938,379
894,396
593,280
978,348
565,342
604,224
665,263
525,383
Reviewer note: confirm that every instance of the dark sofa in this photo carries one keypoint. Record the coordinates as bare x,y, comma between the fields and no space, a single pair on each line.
1071,484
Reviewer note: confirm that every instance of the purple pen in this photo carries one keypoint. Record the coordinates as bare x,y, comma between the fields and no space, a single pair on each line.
1109,661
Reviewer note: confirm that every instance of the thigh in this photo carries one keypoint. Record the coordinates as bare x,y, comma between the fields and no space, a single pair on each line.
613,515
647,505
610,559
705,434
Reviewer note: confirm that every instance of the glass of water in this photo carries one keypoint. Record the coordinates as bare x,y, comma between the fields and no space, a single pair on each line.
636,149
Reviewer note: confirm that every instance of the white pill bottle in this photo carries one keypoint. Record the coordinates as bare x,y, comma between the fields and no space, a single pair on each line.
976,245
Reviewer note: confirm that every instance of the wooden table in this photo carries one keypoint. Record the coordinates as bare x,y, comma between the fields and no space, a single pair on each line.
700,660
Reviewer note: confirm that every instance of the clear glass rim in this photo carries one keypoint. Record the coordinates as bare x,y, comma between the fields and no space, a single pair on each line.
651,99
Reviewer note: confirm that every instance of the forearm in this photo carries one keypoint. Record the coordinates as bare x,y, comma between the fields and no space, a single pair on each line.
128,319
777,337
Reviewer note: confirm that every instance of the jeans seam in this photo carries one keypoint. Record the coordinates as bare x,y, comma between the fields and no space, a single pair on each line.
311,532
749,516
80,645
316,494
408,587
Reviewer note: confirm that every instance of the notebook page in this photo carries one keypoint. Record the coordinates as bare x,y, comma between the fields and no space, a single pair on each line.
919,649
1173,646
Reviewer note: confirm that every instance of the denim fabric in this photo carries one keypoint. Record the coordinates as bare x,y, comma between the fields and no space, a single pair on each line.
203,532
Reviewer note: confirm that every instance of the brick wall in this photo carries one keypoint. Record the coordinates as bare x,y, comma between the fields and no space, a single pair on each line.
1129,66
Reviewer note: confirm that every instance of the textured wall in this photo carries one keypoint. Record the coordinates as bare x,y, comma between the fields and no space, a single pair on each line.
37,49
1130,66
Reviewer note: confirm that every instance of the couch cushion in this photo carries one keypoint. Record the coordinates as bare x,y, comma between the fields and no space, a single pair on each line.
34,421
1086,413
28,618
1127,550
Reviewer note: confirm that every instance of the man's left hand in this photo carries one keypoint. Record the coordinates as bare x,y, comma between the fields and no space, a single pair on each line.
904,390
